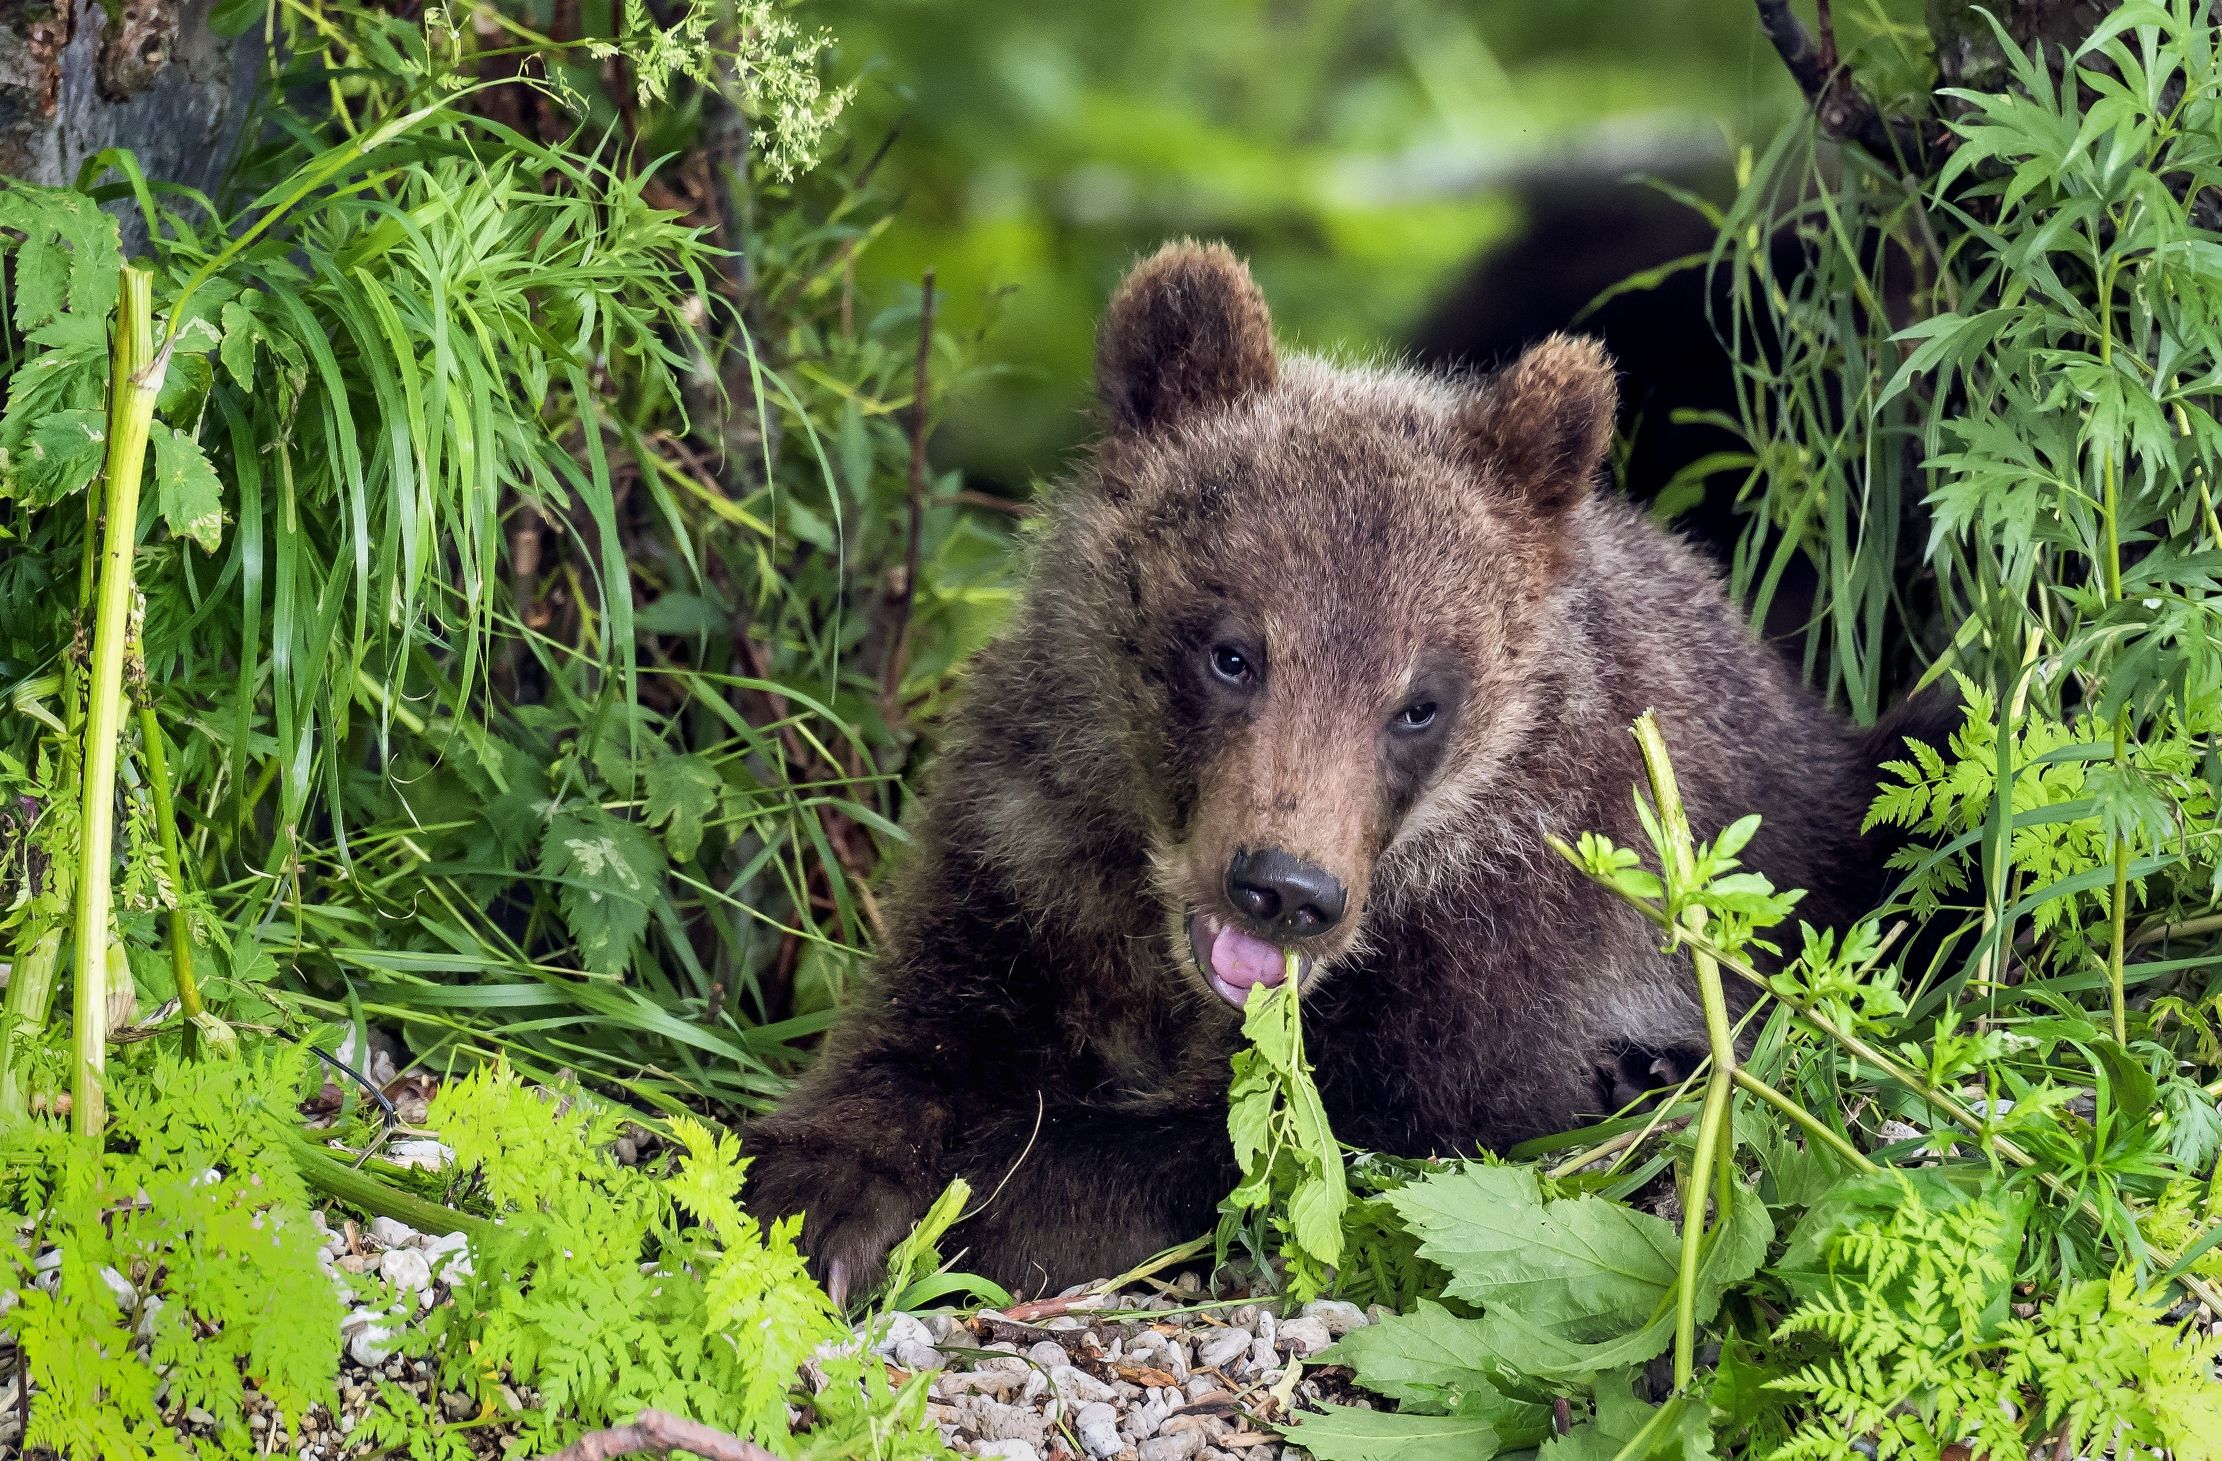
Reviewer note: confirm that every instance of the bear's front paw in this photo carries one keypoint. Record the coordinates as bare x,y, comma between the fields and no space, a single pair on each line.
851,1214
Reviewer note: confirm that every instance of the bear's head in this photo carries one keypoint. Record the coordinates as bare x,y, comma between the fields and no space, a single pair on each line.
1326,590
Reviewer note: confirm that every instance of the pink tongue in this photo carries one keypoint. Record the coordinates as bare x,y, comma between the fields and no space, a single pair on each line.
1245,961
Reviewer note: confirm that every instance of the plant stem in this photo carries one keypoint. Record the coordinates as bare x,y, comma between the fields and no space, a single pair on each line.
322,1169
2120,918
30,993
1715,1126
134,380
173,866
1811,1124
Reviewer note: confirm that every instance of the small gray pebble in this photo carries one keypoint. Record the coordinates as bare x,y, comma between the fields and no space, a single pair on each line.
1011,1449
1305,1335
1097,1425
1171,1446
1338,1317
1078,1386
1007,1423
1048,1352
914,1355
1220,1348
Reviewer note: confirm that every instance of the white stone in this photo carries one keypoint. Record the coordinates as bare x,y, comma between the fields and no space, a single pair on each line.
1077,1386
125,1294
1048,1353
1172,1446
1220,1348
368,1341
421,1152
1012,1450
1305,1335
448,1255
388,1232
407,1271
1339,1317
900,1329
913,1355
1097,1425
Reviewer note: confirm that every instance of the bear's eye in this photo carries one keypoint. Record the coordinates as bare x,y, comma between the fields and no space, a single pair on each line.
1417,716
1232,665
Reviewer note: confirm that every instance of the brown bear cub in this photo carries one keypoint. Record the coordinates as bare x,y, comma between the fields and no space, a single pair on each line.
1311,657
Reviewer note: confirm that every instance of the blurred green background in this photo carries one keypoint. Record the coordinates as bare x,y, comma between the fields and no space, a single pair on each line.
1359,151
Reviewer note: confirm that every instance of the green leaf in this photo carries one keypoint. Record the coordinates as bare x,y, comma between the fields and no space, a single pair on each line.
1585,1265
60,456
682,797
1572,1286
237,351
1346,1433
1434,1362
610,871
187,490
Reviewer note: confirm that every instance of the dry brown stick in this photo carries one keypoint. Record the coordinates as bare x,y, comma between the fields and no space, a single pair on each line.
898,638
660,1431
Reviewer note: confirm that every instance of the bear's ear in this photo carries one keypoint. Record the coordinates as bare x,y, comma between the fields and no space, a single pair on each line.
1186,331
1543,422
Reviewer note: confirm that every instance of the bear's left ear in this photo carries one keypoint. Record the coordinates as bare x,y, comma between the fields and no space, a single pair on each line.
1187,331
1543,422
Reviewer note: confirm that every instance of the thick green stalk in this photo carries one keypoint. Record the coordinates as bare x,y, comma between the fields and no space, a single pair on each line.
322,1169
134,380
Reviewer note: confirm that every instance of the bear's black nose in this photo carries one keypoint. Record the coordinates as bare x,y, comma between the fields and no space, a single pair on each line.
1284,897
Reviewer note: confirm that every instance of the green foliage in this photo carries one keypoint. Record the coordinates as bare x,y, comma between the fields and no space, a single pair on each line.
513,565
611,1289
1924,1355
1293,1195
191,1231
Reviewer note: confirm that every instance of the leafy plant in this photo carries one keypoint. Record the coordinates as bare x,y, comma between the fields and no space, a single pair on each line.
1926,1356
611,1289
1293,1195
183,1261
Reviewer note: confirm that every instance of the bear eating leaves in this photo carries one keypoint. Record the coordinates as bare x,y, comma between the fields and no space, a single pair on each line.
1311,657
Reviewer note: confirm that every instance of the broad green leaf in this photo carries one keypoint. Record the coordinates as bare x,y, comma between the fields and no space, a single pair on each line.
682,797
1592,1267
1429,1360
610,870
1346,1433
1573,1286
187,490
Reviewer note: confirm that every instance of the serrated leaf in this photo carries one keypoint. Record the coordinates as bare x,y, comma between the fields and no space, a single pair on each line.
682,797
188,492
1594,1267
1346,1433
1569,1286
1433,1361
608,871
237,351
61,455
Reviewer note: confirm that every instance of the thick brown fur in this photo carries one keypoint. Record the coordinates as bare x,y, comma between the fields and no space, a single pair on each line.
1370,536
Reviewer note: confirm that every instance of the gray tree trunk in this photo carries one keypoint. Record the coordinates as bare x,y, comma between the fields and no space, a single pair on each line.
78,76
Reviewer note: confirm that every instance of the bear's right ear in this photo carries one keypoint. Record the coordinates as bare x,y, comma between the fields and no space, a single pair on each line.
1186,331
